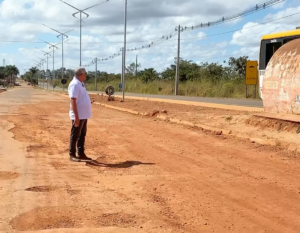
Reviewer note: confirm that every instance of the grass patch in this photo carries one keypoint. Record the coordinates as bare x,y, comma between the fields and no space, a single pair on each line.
229,118
205,88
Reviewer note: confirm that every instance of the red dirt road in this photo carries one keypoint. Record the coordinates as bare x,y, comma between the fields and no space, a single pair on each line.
150,176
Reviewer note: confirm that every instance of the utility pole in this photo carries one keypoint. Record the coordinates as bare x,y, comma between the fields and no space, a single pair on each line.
136,64
178,61
80,12
122,74
124,52
96,61
62,35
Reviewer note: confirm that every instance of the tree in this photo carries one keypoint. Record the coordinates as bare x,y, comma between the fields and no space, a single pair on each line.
12,70
69,73
104,77
168,74
131,69
3,75
28,76
33,70
239,64
149,75
32,73
215,71
3,72
187,70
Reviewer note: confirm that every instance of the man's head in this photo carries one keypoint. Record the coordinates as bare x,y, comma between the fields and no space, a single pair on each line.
80,74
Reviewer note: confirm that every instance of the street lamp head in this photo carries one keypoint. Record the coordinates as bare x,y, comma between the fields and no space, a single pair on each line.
80,19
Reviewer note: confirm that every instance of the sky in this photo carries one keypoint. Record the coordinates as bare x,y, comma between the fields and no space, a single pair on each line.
23,32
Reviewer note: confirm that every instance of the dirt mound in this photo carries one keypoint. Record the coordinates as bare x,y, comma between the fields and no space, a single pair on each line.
274,124
8,175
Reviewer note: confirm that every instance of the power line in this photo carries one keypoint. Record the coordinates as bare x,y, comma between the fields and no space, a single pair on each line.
249,11
115,55
210,44
252,10
236,30
143,41
229,32
164,38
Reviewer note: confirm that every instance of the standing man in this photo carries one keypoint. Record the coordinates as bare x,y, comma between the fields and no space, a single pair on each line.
80,112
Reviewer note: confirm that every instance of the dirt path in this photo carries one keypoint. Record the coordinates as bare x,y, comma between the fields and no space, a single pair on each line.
150,176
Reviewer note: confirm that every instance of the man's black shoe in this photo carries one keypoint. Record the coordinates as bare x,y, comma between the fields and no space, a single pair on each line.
74,158
84,158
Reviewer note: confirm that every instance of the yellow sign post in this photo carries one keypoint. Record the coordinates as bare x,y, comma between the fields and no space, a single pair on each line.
251,74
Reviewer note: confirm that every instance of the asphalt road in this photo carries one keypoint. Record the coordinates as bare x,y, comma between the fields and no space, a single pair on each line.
225,101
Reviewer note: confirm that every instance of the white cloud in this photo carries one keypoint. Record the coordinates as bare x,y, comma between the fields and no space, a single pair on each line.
286,12
250,36
201,34
148,20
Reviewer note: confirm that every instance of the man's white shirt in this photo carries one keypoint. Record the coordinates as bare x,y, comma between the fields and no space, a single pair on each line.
77,90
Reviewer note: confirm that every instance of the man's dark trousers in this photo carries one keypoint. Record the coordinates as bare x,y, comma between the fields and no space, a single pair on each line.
78,137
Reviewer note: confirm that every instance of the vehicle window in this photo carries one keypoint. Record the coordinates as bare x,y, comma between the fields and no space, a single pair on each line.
271,48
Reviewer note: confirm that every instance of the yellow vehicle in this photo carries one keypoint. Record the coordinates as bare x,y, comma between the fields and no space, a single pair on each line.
269,45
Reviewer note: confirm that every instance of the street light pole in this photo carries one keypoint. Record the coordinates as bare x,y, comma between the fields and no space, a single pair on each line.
80,37
62,44
41,59
124,52
45,54
80,12
36,75
52,46
38,66
41,63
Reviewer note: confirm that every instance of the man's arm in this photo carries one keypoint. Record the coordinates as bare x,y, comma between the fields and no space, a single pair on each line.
74,107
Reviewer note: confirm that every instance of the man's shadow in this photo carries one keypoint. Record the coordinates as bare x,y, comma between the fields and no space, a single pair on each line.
126,164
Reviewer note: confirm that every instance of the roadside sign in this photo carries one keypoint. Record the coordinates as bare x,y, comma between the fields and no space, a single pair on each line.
63,81
110,90
251,73
120,85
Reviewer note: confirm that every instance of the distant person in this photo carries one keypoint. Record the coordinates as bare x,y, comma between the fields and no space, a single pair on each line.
80,112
